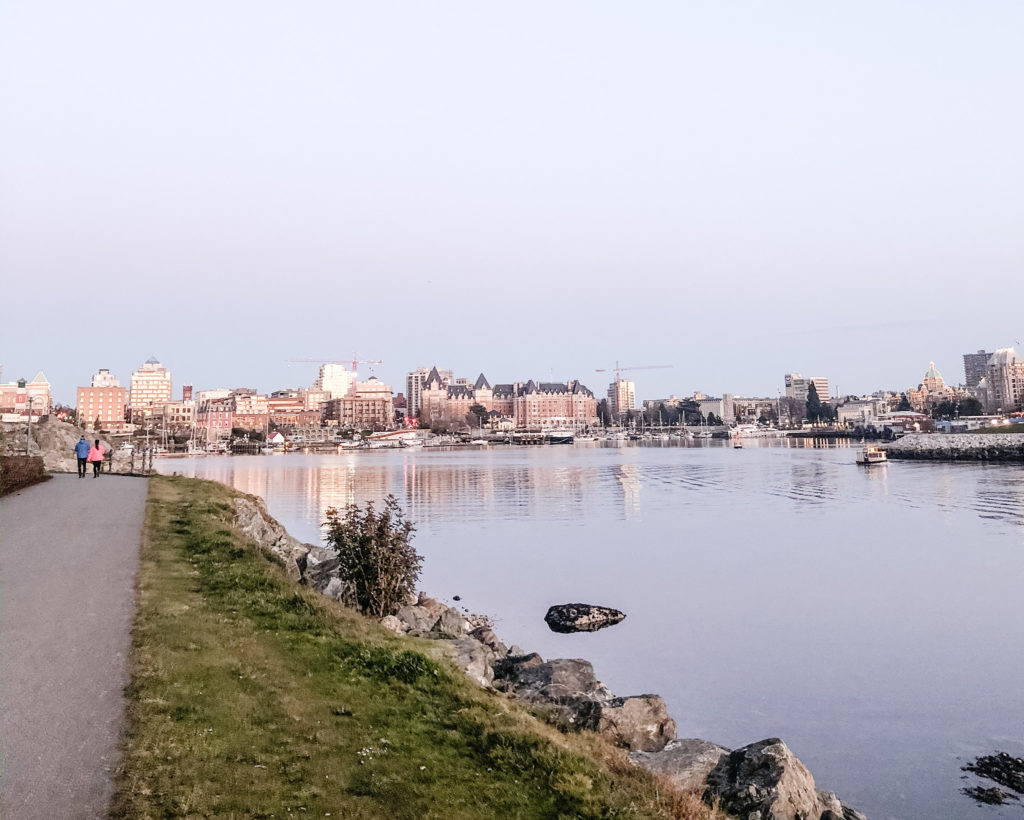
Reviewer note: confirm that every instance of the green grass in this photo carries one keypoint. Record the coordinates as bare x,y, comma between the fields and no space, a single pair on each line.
252,697
1000,428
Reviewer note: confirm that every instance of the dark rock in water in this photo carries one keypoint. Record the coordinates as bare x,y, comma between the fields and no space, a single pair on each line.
581,617
993,796
456,597
1001,768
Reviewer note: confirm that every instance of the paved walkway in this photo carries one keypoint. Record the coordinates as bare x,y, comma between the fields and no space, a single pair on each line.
69,550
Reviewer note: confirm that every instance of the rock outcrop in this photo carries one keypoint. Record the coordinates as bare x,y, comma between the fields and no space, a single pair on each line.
55,441
765,781
686,762
639,722
581,617
958,447
314,566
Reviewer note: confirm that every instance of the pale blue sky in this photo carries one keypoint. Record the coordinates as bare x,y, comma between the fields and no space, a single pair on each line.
534,190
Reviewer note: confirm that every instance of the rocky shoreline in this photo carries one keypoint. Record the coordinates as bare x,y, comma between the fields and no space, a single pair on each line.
958,447
762,780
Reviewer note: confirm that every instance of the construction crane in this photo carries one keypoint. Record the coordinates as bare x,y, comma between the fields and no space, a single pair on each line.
355,362
617,370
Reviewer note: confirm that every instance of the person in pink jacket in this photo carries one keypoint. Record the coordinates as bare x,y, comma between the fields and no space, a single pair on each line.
96,458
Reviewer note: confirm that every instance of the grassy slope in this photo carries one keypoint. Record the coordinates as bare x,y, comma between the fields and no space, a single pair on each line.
252,697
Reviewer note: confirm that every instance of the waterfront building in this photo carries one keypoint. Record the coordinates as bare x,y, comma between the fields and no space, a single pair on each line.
335,379
797,386
314,398
285,402
374,388
862,411
750,409
554,405
414,382
621,397
530,405
366,412
211,395
22,399
179,413
251,410
150,389
215,418
1002,388
723,408
654,405
974,368
105,401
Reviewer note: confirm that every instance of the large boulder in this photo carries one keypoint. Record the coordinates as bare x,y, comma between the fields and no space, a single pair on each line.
639,722
564,691
765,781
581,617
486,636
450,624
431,608
392,624
415,619
531,678
685,762
474,657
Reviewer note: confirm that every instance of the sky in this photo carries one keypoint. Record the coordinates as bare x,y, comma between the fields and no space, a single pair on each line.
531,190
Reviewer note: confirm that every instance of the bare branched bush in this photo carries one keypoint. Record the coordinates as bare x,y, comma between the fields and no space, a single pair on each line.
379,566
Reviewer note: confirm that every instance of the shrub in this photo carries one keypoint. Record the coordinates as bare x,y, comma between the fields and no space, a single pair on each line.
378,565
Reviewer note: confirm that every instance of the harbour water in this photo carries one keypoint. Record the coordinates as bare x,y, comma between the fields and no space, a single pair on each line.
871,617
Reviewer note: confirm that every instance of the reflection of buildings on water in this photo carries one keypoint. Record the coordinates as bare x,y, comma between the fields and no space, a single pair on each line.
629,480
462,491
999,493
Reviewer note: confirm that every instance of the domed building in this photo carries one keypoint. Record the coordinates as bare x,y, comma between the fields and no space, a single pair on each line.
931,391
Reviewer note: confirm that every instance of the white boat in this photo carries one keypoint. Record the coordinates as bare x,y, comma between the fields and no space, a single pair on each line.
872,454
561,436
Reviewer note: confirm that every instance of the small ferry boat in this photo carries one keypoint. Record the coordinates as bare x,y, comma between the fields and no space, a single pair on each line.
871,454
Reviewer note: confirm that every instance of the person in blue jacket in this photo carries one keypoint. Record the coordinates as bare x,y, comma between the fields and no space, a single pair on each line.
82,451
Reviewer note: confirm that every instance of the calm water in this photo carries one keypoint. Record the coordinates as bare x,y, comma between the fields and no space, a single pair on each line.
870,617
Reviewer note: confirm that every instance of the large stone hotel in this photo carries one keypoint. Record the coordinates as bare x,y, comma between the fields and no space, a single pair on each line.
527,405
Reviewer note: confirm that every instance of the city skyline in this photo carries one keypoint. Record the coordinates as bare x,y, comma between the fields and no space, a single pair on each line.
739,193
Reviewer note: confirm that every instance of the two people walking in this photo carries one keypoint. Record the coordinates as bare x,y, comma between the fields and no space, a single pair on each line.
89,455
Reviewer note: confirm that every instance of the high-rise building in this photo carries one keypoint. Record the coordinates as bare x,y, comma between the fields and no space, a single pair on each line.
1002,388
974,367
335,379
104,378
621,397
414,382
150,389
103,402
798,386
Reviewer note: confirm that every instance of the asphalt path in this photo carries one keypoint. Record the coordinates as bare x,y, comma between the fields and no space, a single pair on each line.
69,551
